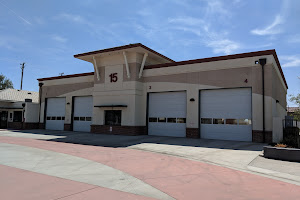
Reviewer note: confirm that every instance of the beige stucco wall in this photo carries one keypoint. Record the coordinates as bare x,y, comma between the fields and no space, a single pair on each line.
191,78
31,113
68,88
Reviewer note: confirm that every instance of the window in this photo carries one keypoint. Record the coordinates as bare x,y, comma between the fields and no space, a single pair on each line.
48,118
171,120
181,120
244,121
206,121
18,116
231,121
218,121
53,118
152,119
113,117
88,119
161,119
82,118
58,118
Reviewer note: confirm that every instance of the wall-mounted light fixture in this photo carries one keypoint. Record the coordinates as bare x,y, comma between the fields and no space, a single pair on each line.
68,103
192,99
277,101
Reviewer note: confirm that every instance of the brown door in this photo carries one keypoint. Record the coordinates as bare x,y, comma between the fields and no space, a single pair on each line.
3,119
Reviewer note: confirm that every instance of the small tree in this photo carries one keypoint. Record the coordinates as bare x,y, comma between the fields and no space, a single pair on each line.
296,99
5,82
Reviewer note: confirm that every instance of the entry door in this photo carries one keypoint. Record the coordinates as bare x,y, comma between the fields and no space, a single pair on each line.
83,112
225,114
3,119
167,114
55,114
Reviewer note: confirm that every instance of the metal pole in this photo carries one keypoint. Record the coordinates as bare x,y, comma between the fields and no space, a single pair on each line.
22,67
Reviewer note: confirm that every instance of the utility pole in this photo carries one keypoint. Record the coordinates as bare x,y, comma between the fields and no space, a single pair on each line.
22,68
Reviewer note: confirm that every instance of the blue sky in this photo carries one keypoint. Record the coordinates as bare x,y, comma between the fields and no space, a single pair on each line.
46,34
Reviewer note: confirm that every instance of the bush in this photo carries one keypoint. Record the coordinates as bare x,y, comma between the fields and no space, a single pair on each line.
291,137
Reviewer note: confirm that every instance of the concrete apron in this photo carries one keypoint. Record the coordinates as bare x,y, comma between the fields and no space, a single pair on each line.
74,168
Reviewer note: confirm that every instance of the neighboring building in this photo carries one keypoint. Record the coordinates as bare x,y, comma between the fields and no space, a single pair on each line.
13,106
291,110
135,90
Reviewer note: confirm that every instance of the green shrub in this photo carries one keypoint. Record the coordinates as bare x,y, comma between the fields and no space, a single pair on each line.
291,137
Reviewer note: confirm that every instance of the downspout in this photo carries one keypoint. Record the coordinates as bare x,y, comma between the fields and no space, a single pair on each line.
40,97
263,62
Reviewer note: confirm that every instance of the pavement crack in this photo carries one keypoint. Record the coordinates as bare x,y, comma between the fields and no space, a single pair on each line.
76,193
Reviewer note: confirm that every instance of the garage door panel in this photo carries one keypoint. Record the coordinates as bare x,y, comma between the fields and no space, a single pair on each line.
83,106
226,104
164,129
55,113
226,132
171,107
167,104
83,111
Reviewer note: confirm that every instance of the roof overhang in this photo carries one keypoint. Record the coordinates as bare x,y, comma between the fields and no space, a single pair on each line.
138,48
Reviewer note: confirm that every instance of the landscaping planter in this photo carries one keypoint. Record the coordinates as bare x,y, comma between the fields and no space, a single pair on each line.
279,153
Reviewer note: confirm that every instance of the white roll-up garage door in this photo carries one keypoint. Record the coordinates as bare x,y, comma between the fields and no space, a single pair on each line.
225,114
167,114
55,114
83,112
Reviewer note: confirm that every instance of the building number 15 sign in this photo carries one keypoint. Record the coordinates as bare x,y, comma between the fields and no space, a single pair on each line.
113,77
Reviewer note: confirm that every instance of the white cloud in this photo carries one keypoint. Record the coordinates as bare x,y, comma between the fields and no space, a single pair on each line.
11,42
271,29
59,38
218,41
39,20
223,46
190,21
217,7
92,27
290,61
71,17
17,15
294,39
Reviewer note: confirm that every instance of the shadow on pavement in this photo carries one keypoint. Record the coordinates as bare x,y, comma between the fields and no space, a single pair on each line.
116,141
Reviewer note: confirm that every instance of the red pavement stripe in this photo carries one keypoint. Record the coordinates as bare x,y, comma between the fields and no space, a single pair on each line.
16,184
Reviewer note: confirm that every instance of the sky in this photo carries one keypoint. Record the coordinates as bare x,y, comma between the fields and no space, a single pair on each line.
46,34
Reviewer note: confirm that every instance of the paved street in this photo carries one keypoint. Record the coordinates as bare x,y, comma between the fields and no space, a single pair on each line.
41,164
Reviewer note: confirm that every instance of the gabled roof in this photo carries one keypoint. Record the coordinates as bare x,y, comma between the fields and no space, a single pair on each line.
122,48
14,95
292,109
